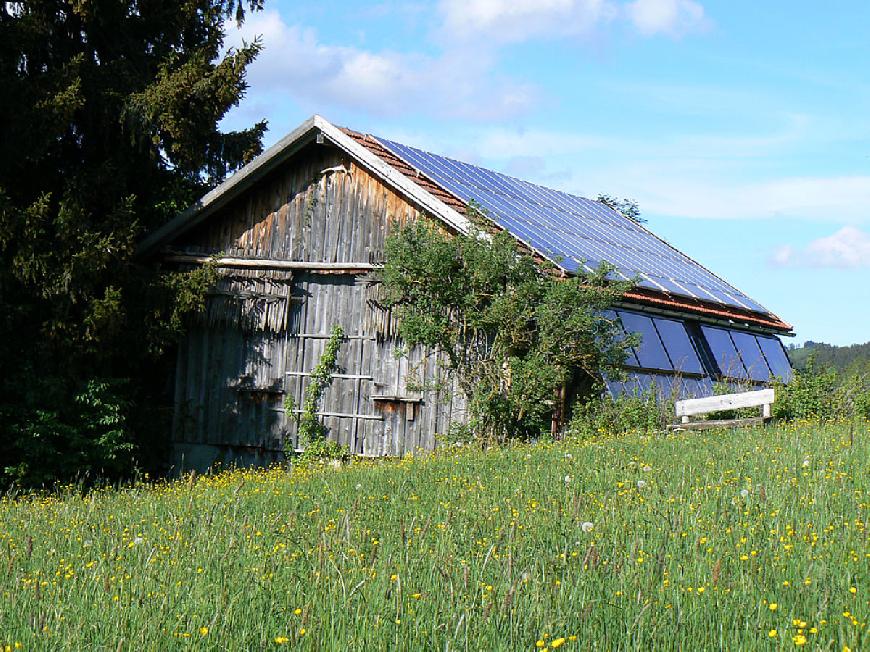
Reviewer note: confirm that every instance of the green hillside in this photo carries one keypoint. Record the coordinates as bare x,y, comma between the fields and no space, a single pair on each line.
740,540
842,358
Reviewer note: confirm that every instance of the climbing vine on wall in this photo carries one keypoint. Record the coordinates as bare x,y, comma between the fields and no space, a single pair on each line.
310,430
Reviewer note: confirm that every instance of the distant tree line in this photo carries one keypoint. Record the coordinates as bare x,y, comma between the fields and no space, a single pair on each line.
842,358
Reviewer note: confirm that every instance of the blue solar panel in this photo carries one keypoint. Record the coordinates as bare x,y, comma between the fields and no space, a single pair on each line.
650,353
615,388
751,355
776,357
630,357
570,230
695,388
724,352
678,345
660,386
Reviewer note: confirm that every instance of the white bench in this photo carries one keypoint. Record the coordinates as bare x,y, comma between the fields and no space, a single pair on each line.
695,406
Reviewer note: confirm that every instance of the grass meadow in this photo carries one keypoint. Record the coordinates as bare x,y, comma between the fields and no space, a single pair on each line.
734,540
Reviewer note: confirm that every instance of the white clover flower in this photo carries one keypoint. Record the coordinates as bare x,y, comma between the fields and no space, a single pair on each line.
568,456
567,479
806,462
137,541
359,486
641,484
646,468
586,526
744,493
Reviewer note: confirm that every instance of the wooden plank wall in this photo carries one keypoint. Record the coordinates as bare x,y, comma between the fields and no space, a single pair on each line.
232,379
322,208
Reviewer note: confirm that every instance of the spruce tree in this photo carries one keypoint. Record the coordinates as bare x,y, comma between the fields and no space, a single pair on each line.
109,114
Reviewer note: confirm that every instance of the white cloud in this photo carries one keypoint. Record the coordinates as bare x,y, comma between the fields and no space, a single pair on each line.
295,61
671,17
507,21
848,248
460,80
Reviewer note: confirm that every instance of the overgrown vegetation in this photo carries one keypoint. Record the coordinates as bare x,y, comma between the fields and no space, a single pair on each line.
741,540
642,413
310,430
522,342
823,393
109,128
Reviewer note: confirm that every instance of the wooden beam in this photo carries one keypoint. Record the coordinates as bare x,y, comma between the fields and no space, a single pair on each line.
719,423
694,406
271,263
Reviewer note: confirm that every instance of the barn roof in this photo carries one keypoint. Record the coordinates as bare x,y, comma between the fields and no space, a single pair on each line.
573,232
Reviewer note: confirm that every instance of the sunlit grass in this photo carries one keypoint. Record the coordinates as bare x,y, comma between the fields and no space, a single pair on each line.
754,539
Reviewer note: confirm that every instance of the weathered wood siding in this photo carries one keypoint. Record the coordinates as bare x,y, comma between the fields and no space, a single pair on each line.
322,207
264,330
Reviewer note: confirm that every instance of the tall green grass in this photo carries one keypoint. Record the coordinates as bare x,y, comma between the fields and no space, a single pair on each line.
751,539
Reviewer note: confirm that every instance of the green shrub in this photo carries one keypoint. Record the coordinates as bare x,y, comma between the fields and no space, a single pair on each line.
91,439
626,413
519,339
823,393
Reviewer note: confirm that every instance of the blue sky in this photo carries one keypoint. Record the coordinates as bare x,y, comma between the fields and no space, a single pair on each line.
742,128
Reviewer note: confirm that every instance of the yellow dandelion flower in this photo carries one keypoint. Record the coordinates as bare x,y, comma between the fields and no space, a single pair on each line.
557,642
799,640
281,640
297,611
302,631
772,633
773,606
203,631
853,590
540,643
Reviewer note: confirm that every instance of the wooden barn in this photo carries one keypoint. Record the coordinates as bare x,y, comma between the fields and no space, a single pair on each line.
297,235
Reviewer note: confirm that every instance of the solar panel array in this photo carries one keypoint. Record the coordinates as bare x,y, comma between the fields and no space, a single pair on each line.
574,232
674,362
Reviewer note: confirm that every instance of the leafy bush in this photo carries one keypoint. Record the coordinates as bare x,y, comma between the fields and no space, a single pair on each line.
823,393
627,413
91,439
521,341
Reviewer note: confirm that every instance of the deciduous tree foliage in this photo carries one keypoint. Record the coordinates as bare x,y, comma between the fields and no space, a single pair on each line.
521,340
109,119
